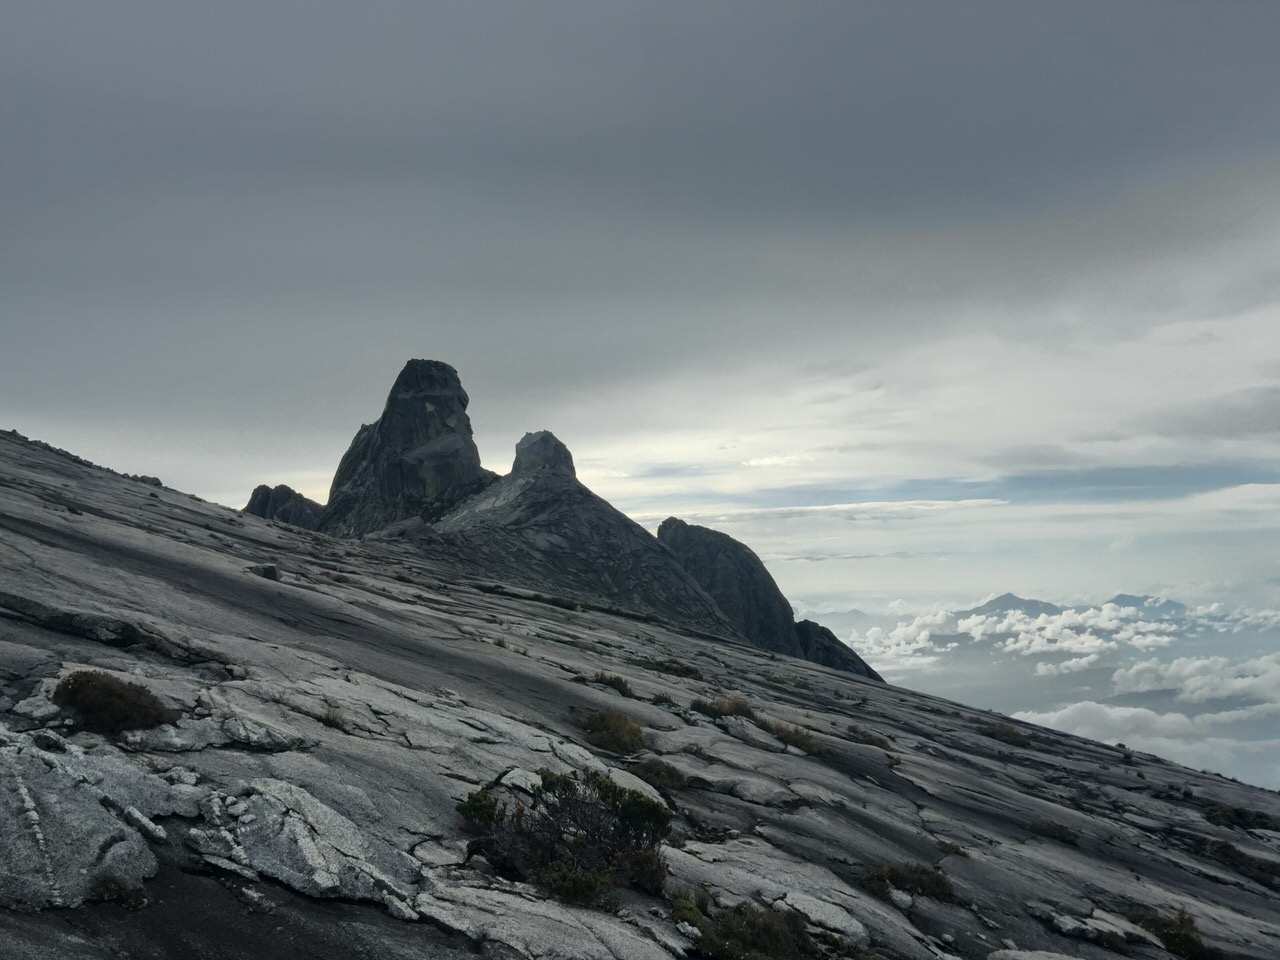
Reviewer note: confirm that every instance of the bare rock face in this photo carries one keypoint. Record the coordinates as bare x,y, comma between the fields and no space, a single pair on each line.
542,451
417,460
541,528
820,645
739,583
285,504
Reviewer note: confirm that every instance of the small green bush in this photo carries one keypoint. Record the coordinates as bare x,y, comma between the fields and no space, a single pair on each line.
918,878
105,704
746,932
663,700
580,836
1240,818
614,731
659,773
616,682
1177,931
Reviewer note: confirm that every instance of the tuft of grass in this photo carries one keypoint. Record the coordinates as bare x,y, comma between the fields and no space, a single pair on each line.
868,738
735,706
917,878
669,666
108,705
616,682
663,700
799,738
1005,733
335,719
614,731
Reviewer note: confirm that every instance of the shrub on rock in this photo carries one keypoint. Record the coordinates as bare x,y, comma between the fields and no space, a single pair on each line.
105,704
579,836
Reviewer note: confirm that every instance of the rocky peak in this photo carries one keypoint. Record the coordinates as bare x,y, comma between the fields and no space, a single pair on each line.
540,527
285,504
418,459
542,451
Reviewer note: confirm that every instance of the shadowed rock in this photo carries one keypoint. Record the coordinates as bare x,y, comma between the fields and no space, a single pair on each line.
417,460
540,527
285,504
820,645
741,586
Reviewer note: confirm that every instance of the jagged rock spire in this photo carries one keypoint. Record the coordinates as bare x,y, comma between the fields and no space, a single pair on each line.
416,460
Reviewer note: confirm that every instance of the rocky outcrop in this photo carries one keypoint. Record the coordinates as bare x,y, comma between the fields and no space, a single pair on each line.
285,504
417,460
820,645
741,586
738,582
540,527
542,451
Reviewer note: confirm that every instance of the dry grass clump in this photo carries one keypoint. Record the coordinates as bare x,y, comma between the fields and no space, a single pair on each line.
1005,733
799,738
735,706
614,731
659,773
616,682
669,666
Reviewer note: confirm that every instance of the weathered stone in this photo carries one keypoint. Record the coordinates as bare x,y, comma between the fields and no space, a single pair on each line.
71,827
542,451
267,571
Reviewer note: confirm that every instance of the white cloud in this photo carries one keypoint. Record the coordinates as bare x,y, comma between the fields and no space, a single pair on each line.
1201,679
1074,665
1196,741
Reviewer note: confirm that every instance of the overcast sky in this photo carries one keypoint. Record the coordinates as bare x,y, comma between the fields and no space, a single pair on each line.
923,301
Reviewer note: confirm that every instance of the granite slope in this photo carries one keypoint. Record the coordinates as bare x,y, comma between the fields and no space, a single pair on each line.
331,719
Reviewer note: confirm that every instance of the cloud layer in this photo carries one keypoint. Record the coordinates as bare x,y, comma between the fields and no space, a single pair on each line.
1148,674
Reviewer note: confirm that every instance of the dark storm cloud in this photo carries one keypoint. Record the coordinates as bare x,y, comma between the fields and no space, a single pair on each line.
742,110
221,214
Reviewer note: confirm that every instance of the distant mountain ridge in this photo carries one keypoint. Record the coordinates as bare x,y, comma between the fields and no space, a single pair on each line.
1011,603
